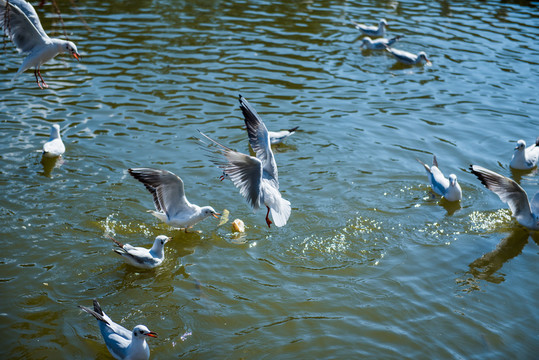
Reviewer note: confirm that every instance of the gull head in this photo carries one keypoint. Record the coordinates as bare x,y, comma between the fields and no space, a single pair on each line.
55,131
422,57
521,145
140,331
161,240
383,22
71,48
452,180
208,210
366,41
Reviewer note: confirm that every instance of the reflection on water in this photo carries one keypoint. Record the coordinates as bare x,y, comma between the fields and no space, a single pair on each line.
51,163
486,266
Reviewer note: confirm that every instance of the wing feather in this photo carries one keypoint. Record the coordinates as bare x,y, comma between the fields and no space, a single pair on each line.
507,190
166,188
20,22
245,172
259,140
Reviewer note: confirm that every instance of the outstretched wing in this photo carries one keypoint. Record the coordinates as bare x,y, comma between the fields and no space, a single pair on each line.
245,172
507,190
20,22
259,140
166,188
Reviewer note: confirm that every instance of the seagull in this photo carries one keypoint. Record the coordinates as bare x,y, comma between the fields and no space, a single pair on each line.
277,137
256,177
372,30
54,147
169,198
122,343
408,58
449,189
525,158
141,257
20,22
512,194
378,44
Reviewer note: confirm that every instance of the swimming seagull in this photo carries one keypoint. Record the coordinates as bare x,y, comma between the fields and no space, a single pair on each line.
169,198
511,193
54,146
141,257
408,58
378,44
449,189
256,177
379,30
122,343
20,22
525,158
276,137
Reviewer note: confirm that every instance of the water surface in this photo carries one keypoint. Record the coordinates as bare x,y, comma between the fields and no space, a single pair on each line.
371,263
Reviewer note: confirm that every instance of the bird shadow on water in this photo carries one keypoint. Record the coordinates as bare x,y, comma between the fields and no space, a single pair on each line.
517,175
49,164
450,206
487,266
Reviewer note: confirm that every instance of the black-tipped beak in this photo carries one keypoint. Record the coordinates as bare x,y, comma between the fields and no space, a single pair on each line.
76,55
216,215
151,334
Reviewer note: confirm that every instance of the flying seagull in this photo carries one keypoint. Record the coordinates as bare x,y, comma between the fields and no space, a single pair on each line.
20,22
169,199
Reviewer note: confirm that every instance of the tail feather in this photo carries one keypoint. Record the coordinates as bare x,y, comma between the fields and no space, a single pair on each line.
97,312
425,165
281,213
295,128
119,251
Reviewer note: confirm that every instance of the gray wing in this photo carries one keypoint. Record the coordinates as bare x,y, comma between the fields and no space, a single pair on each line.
403,56
20,21
140,255
245,172
259,140
166,188
507,190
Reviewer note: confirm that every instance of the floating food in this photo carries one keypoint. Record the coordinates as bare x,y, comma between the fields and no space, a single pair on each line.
238,226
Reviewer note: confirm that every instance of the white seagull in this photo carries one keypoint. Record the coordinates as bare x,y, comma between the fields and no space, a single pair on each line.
20,22
122,343
141,257
54,146
256,177
408,58
449,189
525,158
277,137
378,44
511,193
379,30
169,198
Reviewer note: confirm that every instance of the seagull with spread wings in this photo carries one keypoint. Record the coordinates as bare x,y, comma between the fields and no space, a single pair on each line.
20,22
169,199
256,177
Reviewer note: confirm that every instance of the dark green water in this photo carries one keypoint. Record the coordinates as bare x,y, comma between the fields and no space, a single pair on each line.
370,264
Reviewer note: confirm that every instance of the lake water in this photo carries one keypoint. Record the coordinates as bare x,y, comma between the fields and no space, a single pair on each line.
370,265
